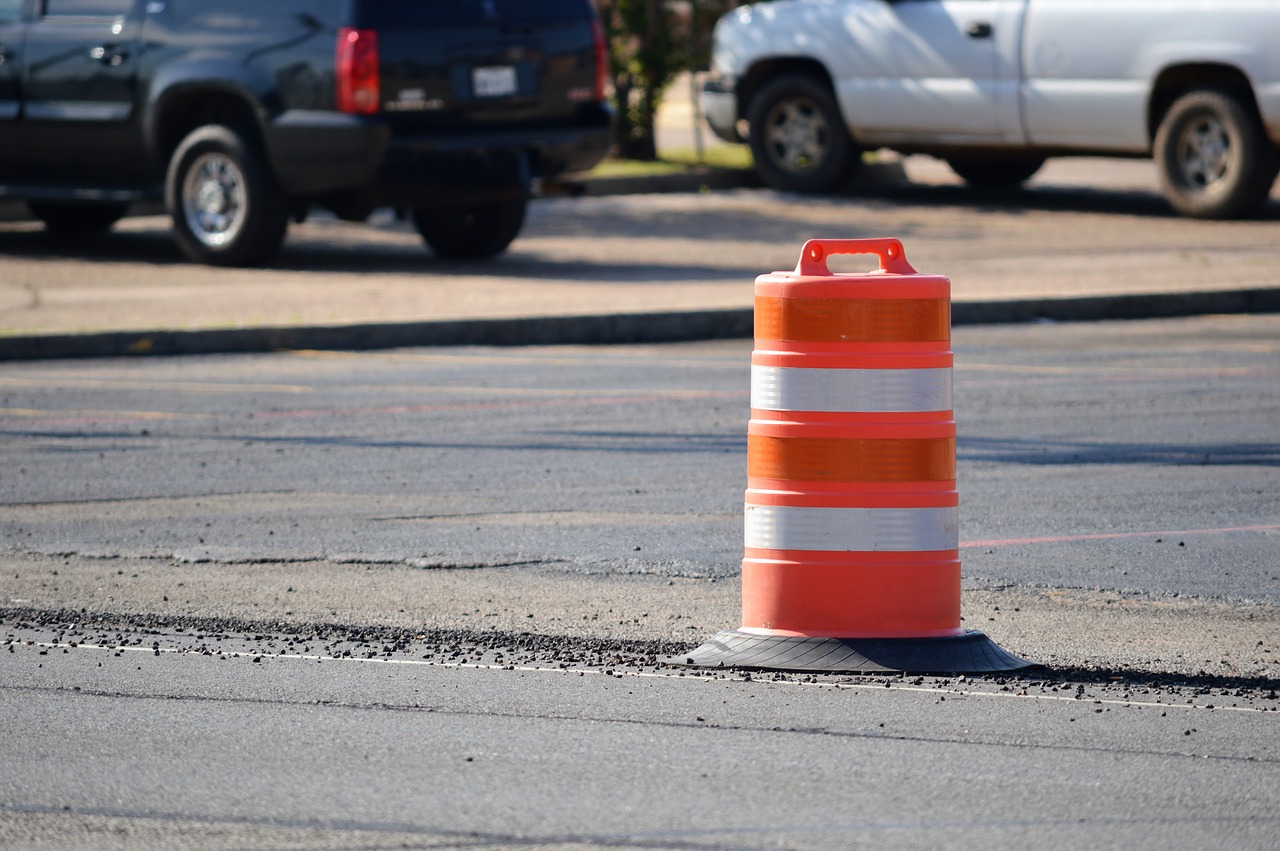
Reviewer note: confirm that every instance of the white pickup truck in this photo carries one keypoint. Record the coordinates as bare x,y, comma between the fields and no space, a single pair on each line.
995,87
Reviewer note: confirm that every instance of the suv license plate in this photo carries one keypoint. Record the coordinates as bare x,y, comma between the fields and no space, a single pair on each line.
494,82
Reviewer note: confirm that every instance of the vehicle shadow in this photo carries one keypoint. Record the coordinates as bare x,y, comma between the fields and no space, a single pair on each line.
385,245
309,251
1032,198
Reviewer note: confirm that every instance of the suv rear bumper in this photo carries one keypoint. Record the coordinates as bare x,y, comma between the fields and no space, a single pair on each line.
326,153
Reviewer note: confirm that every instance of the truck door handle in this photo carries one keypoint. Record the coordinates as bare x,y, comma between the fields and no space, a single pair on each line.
978,29
109,54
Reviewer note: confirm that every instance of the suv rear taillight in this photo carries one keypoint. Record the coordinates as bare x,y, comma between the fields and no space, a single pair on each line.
602,59
357,71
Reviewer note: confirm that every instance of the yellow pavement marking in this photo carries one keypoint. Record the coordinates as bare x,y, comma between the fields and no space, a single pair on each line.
629,357
47,381
624,392
144,415
299,389
1119,370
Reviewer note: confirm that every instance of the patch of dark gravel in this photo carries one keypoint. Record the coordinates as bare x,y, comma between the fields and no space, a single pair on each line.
258,639
204,634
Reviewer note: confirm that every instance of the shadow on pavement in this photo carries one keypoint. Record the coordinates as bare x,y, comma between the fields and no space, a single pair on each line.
1074,453
326,245
312,255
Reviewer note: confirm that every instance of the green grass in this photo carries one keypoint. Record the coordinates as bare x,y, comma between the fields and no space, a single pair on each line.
635,168
676,161
716,156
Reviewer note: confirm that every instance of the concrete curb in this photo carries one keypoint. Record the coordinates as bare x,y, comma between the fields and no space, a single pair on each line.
523,331
595,330
1095,308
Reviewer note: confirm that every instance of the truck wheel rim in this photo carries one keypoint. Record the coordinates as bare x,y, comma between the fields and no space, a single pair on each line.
214,200
1204,152
796,135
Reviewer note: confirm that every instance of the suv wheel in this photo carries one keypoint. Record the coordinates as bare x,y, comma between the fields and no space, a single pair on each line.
474,232
1214,158
798,137
995,172
71,218
227,209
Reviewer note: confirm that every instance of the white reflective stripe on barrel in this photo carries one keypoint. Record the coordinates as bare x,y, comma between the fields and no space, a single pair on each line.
783,527
776,388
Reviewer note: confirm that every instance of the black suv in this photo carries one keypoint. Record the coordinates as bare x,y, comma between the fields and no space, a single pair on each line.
243,114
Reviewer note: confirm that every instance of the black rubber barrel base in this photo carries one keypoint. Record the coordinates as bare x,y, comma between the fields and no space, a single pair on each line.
970,653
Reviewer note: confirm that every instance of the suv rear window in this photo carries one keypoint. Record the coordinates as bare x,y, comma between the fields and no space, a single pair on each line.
447,13
86,8
249,14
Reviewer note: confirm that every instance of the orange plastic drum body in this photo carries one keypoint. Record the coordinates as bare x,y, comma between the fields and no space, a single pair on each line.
851,523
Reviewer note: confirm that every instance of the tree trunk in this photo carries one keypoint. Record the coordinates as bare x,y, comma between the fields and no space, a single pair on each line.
634,122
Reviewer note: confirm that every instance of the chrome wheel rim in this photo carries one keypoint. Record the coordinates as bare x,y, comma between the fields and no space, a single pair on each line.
797,136
1204,152
214,199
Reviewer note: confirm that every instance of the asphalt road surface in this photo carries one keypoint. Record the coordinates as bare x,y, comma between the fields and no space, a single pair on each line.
422,598
1127,456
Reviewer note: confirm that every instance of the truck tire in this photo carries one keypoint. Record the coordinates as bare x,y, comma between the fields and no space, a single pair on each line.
473,232
68,218
227,209
1214,158
995,173
798,137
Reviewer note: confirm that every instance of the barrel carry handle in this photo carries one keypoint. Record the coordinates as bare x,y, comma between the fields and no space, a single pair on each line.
813,257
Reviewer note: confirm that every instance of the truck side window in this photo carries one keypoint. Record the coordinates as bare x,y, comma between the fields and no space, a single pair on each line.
10,10
86,8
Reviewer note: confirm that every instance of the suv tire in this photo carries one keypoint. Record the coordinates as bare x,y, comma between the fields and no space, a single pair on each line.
69,218
995,173
474,232
227,209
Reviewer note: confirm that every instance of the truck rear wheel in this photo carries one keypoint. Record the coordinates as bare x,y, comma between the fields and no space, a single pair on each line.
74,218
798,137
227,209
1214,157
473,232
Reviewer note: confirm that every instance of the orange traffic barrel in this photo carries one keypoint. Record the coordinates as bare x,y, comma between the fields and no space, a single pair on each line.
851,539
